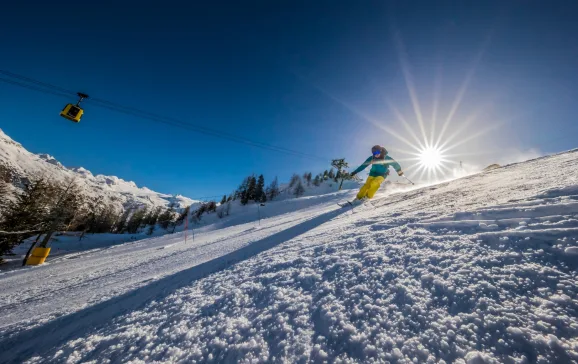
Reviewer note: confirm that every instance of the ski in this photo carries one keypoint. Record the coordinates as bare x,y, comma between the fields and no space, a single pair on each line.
345,204
352,204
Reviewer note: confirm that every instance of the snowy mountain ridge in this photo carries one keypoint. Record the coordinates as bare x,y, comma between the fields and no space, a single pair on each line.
23,165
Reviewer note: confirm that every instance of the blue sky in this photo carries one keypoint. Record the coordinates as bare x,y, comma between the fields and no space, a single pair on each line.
320,77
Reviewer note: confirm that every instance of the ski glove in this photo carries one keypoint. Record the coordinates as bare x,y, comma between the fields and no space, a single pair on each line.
400,173
353,174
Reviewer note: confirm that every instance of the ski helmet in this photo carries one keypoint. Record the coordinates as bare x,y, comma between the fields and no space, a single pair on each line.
380,149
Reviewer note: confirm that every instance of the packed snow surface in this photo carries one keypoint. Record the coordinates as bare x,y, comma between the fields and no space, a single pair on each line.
477,270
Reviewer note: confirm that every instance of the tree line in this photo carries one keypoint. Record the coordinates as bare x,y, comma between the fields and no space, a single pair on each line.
253,188
44,207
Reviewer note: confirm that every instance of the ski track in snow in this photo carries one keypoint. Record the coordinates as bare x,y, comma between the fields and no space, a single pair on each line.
478,270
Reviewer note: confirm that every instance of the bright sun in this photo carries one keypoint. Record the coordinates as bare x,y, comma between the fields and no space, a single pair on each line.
430,158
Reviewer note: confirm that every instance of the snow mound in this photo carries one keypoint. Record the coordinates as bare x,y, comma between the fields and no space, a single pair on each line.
491,167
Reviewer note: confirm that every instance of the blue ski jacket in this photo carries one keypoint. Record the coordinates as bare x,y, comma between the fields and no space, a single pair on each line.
379,166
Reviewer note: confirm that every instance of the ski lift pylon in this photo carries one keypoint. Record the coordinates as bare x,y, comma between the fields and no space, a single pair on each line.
74,112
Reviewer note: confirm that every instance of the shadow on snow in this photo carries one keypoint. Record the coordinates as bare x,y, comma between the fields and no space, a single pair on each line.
41,339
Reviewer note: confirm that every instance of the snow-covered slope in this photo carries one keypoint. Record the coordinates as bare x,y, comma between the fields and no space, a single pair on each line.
479,270
23,164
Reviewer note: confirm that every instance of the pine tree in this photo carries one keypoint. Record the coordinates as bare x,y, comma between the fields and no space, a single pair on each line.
273,189
221,211
167,218
294,180
211,206
325,175
331,174
299,189
107,218
260,190
183,215
307,178
62,210
245,198
88,215
200,211
317,181
223,200
172,223
122,222
96,216
230,198
340,165
120,226
27,212
136,220
153,217
252,188
249,193
143,222
148,217
241,193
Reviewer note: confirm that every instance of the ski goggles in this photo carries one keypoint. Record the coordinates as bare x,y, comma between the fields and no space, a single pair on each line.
377,152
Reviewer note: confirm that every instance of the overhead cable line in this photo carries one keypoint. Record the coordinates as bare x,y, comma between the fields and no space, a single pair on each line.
45,87
31,87
40,83
207,131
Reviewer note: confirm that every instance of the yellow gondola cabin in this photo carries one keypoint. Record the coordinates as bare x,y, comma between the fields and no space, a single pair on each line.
74,112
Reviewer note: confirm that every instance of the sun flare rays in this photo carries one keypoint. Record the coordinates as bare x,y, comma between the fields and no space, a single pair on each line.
431,143
429,159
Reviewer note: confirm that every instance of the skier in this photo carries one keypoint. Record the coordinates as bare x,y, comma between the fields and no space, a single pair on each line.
380,162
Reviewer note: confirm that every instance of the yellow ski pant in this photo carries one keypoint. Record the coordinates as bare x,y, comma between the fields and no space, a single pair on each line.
370,187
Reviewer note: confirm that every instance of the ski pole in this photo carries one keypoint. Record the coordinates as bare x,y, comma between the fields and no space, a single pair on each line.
408,180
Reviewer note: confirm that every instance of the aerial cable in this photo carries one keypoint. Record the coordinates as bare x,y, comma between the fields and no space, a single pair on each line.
48,88
31,80
34,88
214,133
200,129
